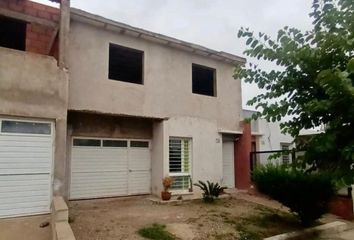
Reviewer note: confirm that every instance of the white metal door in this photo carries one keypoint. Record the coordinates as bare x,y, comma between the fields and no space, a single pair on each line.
228,164
139,168
26,155
109,167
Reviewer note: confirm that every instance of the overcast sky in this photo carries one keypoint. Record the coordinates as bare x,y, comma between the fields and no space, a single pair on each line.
211,23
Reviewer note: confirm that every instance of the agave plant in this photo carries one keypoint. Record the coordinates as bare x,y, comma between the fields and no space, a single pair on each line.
211,191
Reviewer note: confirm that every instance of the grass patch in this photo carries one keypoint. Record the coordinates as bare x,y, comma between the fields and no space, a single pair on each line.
155,232
225,236
247,233
262,223
265,224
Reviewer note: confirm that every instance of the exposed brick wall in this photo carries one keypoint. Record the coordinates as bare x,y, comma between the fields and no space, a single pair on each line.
38,37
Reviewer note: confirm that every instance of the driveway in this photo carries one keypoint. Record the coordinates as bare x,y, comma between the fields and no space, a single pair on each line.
25,228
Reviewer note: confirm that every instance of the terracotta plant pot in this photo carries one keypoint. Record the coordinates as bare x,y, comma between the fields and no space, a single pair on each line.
165,196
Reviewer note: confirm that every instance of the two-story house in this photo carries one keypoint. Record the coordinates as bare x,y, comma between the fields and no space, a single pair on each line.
33,107
127,108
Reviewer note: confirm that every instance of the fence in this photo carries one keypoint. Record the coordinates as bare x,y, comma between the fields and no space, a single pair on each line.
275,156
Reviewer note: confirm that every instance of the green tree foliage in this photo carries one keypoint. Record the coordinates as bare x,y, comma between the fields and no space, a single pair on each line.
314,85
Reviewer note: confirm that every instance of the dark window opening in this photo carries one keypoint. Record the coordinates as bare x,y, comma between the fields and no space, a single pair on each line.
139,144
12,33
114,143
125,64
203,79
25,127
81,142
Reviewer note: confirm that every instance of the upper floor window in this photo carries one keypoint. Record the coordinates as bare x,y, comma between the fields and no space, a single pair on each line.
125,64
12,33
204,80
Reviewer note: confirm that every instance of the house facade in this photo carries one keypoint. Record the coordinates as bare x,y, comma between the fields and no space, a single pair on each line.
109,110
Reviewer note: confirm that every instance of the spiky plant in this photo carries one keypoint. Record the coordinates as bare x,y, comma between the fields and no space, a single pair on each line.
211,191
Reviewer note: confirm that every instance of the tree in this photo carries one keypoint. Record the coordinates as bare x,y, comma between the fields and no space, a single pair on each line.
314,85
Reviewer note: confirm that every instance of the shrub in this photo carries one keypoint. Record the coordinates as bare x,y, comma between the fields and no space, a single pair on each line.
306,194
211,191
156,232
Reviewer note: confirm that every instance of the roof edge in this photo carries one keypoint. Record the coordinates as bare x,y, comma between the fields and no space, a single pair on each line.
99,21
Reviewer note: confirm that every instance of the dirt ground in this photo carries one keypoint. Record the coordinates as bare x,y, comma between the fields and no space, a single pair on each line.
25,228
121,218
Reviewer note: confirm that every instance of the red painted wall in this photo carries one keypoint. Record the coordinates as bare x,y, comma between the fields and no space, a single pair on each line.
242,158
342,207
37,36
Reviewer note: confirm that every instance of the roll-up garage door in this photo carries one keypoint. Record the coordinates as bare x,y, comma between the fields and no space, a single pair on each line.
109,167
26,156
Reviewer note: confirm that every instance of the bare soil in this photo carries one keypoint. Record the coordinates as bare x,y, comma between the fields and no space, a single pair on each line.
121,218
27,228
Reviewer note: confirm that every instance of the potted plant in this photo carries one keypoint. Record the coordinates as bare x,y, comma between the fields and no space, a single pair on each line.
165,194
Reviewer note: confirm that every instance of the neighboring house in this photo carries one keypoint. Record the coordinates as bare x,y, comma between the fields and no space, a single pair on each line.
33,108
267,139
123,108
306,134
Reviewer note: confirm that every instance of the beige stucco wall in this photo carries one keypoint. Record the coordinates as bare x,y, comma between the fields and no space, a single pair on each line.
32,86
158,154
206,149
167,89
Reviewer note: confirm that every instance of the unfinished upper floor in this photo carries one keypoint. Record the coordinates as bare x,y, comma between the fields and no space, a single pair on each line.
113,68
31,82
119,69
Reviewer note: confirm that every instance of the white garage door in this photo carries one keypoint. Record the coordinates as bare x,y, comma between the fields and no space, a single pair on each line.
109,167
26,153
228,164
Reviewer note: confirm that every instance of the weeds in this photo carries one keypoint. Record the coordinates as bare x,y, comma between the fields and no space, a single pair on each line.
156,232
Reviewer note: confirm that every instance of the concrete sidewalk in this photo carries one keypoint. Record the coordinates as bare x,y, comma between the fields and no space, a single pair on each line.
346,235
25,228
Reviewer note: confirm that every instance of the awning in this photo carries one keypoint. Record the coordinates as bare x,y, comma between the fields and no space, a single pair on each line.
225,131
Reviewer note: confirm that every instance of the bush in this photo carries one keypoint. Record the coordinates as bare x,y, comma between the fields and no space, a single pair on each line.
211,191
306,194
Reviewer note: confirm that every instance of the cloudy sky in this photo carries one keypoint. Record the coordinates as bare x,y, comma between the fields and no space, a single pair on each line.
211,23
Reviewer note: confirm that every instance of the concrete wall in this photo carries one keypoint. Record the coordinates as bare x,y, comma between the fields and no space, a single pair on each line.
33,86
271,136
206,149
95,125
167,89
158,154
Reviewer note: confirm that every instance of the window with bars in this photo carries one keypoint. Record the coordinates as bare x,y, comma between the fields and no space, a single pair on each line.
180,163
285,155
